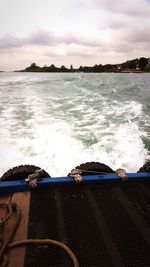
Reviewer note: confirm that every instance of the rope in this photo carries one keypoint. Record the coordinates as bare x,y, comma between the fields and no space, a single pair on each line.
12,207
45,242
76,174
5,261
119,172
98,172
33,178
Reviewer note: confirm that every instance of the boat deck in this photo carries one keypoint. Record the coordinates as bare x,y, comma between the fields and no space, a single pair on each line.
104,224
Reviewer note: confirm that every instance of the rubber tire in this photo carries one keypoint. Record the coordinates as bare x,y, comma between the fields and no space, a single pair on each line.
145,167
93,166
21,173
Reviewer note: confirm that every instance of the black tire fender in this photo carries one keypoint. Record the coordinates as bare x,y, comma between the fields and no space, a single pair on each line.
145,167
21,173
90,168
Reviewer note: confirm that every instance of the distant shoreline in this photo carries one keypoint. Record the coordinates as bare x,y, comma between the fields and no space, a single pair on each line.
117,72
141,65
131,66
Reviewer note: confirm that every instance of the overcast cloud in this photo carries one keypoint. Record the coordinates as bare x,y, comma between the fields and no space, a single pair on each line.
78,32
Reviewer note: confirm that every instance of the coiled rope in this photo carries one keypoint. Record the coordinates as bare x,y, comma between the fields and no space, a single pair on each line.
45,242
8,246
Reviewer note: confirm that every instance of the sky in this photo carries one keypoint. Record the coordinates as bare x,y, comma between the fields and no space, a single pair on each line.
77,32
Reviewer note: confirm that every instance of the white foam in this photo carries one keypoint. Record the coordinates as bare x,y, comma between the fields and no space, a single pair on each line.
56,138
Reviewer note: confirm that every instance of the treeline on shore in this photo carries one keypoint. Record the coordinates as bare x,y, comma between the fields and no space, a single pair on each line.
135,65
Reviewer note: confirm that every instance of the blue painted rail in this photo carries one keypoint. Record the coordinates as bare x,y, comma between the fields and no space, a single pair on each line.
22,186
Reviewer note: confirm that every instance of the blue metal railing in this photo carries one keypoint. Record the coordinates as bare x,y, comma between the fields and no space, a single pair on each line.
22,186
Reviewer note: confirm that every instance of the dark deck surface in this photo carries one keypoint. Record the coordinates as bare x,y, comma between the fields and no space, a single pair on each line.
107,224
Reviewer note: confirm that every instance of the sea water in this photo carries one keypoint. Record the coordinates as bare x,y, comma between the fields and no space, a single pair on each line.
59,120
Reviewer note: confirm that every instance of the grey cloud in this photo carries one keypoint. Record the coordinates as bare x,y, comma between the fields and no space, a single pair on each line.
122,41
114,24
9,41
139,34
74,39
126,7
81,53
70,54
44,38
118,24
123,47
135,38
40,38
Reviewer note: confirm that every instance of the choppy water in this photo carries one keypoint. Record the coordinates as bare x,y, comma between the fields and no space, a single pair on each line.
57,121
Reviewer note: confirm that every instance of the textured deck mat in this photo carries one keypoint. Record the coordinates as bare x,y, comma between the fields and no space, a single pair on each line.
105,225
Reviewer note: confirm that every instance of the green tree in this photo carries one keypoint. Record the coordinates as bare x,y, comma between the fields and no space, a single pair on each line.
63,68
33,65
52,68
142,63
97,68
33,68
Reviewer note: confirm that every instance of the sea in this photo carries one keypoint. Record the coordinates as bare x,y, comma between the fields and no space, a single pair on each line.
59,120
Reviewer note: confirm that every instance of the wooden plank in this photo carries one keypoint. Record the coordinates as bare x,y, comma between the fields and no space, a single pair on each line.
16,255
4,200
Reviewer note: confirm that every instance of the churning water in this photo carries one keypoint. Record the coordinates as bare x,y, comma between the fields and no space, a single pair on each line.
57,121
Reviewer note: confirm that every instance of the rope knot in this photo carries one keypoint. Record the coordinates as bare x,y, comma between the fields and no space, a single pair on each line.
122,173
76,175
33,178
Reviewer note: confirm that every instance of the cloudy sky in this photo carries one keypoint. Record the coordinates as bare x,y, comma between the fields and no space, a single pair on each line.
78,32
